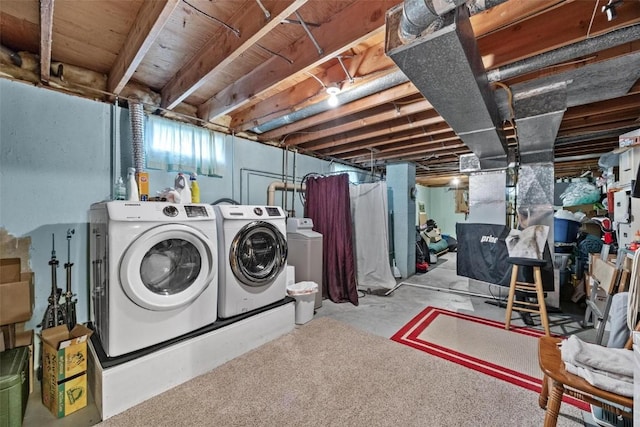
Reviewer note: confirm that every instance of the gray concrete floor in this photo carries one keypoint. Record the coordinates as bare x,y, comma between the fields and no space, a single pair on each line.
441,287
384,315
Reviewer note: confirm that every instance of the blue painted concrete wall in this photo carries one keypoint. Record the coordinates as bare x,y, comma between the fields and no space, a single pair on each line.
55,157
60,153
401,178
440,205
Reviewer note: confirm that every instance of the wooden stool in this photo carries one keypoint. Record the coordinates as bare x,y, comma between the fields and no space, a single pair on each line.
527,287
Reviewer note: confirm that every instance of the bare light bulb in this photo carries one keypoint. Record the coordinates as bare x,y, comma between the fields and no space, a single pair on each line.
333,90
333,100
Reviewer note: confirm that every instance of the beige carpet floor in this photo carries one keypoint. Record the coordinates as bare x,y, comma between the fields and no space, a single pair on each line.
326,373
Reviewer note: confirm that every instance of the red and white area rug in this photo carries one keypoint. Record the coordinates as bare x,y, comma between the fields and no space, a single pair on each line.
479,344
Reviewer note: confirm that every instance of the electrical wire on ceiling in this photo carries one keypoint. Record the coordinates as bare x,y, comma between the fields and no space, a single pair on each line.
213,18
512,113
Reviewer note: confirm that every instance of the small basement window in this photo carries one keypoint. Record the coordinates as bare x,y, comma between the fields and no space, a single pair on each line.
180,147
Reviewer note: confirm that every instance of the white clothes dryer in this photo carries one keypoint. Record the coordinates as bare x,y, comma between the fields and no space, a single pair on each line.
253,257
154,272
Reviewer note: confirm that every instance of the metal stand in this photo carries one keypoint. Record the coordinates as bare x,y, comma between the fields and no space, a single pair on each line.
435,288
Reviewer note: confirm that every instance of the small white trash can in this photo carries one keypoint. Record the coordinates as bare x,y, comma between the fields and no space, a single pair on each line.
305,295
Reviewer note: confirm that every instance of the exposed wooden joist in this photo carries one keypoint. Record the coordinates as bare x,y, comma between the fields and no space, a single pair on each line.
525,38
373,60
46,28
509,13
350,27
381,129
225,47
151,18
401,91
409,138
357,123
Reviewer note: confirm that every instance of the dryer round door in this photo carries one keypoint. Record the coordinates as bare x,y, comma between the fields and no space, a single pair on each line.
258,253
167,267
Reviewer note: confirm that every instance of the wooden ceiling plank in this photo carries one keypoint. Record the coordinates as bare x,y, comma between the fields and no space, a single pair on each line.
46,29
548,31
445,142
391,114
351,26
225,47
401,91
586,130
293,99
508,13
415,137
599,119
380,130
150,21
609,106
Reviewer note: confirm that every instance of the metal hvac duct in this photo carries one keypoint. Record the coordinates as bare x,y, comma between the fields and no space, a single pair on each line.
447,69
419,15
388,81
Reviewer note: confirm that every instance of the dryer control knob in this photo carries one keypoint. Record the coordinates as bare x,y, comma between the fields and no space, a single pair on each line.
170,211
257,211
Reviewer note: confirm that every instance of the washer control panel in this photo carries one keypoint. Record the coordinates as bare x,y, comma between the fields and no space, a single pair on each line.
170,210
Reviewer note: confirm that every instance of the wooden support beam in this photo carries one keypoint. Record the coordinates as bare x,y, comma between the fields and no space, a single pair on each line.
351,26
381,130
151,18
401,91
224,47
46,27
373,60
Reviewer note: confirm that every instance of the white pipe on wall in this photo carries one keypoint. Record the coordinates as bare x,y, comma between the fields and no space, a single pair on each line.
283,186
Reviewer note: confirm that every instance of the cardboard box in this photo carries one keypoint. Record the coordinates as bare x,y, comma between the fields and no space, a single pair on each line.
16,300
64,366
142,178
422,218
9,270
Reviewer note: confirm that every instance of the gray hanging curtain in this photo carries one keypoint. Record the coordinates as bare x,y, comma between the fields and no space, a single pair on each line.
328,205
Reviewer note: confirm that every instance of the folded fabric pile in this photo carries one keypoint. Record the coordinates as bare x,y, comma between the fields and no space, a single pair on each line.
609,369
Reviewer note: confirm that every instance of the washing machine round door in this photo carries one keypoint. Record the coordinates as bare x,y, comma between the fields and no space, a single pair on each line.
258,253
167,267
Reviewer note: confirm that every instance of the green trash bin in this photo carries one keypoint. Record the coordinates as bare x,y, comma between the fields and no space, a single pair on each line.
14,386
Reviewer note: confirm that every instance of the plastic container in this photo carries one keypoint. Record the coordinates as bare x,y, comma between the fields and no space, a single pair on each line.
119,190
14,385
565,230
305,296
182,187
195,188
132,186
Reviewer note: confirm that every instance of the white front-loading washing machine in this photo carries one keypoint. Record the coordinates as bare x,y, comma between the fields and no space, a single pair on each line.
154,272
253,257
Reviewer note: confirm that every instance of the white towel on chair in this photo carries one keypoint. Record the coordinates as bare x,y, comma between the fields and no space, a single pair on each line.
603,380
613,360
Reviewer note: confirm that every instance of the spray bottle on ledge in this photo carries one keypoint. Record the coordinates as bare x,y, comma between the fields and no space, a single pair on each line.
195,188
182,187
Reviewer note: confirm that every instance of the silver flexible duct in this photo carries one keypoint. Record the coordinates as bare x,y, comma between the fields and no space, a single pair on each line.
136,118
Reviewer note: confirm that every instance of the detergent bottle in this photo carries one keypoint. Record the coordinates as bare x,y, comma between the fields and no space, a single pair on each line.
132,185
182,187
195,188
